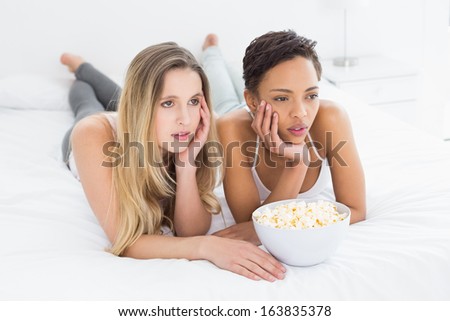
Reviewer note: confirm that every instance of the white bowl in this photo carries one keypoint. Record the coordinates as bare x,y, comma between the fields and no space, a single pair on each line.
302,247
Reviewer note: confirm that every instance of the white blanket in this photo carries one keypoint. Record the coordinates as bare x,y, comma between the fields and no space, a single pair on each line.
52,247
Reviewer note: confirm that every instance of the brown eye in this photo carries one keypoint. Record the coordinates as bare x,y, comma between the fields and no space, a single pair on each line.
194,102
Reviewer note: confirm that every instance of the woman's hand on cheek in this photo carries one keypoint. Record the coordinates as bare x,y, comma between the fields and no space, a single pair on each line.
265,125
188,156
201,134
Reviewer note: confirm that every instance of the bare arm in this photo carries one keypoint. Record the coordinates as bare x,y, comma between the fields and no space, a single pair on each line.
333,127
289,183
294,171
348,178
236,256
88,139
240,189
193,219
342,155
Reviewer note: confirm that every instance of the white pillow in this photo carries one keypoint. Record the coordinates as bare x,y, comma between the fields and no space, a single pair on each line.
33,91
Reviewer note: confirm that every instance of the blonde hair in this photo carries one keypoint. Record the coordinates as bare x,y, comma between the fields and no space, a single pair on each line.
145,193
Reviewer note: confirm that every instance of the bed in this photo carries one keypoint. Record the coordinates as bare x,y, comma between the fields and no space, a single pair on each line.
52,247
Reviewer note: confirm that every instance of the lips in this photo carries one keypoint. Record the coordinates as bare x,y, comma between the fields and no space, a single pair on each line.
298,129
181,136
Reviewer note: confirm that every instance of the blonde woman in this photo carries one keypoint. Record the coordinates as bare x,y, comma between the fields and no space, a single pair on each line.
144,168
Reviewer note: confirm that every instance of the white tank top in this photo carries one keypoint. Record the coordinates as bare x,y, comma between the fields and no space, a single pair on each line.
322,188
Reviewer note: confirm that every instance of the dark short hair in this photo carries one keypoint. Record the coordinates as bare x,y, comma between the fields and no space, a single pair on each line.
272,48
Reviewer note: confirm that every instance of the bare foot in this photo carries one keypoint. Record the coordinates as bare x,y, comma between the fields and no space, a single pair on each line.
210,40
71,61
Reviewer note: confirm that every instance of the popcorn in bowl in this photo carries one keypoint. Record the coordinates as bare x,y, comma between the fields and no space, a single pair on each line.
301,233
300,215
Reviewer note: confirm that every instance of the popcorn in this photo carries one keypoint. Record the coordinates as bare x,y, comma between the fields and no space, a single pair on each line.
300,215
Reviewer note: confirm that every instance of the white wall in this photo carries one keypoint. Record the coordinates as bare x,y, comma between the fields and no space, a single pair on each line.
446,128
110,32
435,66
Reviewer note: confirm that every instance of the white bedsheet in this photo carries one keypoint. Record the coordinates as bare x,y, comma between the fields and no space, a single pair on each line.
51,246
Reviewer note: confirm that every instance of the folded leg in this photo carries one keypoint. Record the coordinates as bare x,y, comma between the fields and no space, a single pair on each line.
224,97
106,90
83,102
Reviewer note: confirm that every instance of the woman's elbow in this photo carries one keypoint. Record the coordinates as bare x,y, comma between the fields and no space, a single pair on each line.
357,215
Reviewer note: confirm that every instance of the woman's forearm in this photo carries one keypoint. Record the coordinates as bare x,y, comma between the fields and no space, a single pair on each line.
191,218
165,247
236,256
289,183
357,215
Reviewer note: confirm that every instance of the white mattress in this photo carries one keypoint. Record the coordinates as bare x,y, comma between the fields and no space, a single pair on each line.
53,248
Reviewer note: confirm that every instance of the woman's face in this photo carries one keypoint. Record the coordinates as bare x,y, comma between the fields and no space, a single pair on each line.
178,109
291,88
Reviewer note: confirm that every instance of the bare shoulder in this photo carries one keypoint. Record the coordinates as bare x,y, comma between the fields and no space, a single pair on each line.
330,126
235,126
331,117
91,129
330,114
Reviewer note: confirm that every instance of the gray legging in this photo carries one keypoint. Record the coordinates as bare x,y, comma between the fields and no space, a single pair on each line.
91,92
